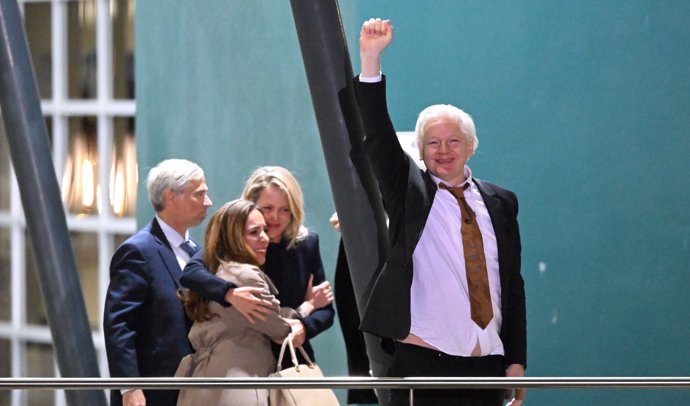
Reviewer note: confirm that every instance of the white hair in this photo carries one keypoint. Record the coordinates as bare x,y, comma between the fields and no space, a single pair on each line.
449,113
171,174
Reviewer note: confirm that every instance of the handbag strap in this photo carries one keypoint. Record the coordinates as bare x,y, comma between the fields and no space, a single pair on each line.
288,343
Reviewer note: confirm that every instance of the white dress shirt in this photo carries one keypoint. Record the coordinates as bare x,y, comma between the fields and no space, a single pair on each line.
440,307
175,239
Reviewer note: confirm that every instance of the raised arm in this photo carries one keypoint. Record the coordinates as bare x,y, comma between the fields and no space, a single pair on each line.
386,155
375,36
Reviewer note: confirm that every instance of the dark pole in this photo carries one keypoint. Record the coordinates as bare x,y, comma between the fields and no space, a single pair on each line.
45,217
355,192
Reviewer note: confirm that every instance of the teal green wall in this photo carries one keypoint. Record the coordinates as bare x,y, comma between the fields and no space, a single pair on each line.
581,108
222,83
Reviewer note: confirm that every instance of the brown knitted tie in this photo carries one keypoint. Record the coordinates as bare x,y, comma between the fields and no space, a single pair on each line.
475,262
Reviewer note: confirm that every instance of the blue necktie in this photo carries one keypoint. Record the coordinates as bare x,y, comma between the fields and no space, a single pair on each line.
189,247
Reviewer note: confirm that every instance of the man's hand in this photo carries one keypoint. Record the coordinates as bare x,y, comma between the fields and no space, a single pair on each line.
316,297
134,397
321,295
299,334
247,300
335,222
375,36
515,371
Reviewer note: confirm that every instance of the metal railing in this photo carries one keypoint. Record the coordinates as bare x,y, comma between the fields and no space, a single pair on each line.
346,383
411,383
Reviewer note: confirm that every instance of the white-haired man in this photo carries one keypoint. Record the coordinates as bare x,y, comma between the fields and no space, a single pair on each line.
450,297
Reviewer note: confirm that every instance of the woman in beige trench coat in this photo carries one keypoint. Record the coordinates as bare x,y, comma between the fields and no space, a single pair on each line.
226,343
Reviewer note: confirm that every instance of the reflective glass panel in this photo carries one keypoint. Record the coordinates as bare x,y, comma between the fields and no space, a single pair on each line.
5,274
81,52
5,369
86,251
123,173
119,239
49,129
40,364
80,186
123,48
38,32
4,169
35,310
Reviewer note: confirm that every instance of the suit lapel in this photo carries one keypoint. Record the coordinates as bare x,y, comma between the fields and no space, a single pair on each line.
421,189
166,252
495,208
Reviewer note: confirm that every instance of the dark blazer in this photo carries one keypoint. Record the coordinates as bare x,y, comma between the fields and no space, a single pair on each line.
290,269
408,193
144,323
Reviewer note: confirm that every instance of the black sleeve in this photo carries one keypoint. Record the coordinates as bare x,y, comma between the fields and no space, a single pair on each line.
197,278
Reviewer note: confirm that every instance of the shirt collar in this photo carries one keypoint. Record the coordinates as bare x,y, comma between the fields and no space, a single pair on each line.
468,178
173,237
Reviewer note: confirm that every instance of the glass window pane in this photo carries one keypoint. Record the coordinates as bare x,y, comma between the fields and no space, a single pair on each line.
86,251
5,369
49,129
80,180
35,310
40,364
123,173
118,239
38,32
5,263
123,48
81,39
4,169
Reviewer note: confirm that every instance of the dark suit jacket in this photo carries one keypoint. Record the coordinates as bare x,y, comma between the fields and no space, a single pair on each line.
144,323
408,193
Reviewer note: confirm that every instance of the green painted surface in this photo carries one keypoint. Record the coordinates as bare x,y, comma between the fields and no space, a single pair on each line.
581,108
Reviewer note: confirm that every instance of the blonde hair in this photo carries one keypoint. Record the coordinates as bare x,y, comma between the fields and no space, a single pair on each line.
285,181
223,242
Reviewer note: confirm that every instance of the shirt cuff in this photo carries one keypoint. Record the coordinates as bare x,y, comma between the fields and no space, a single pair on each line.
371,79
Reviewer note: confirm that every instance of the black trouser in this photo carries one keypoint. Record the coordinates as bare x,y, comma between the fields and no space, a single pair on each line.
413,360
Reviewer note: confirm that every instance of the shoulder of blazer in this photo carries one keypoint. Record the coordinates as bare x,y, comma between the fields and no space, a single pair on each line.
492,189
497,197
309,242
157,232
165,251
304,247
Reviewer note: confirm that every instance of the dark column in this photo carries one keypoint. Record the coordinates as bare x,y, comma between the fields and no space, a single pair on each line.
355,192
45,216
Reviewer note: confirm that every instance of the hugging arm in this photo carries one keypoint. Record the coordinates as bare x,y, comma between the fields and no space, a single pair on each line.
246,299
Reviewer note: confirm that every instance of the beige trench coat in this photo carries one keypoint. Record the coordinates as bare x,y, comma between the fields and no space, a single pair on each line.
231,346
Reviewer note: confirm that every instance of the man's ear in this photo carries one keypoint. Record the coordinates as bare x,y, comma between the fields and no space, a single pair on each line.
470,154
168,197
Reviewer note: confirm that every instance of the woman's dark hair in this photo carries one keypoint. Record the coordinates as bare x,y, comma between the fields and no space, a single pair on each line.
223,242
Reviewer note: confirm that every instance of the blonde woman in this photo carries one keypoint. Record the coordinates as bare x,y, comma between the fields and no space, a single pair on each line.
293,259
